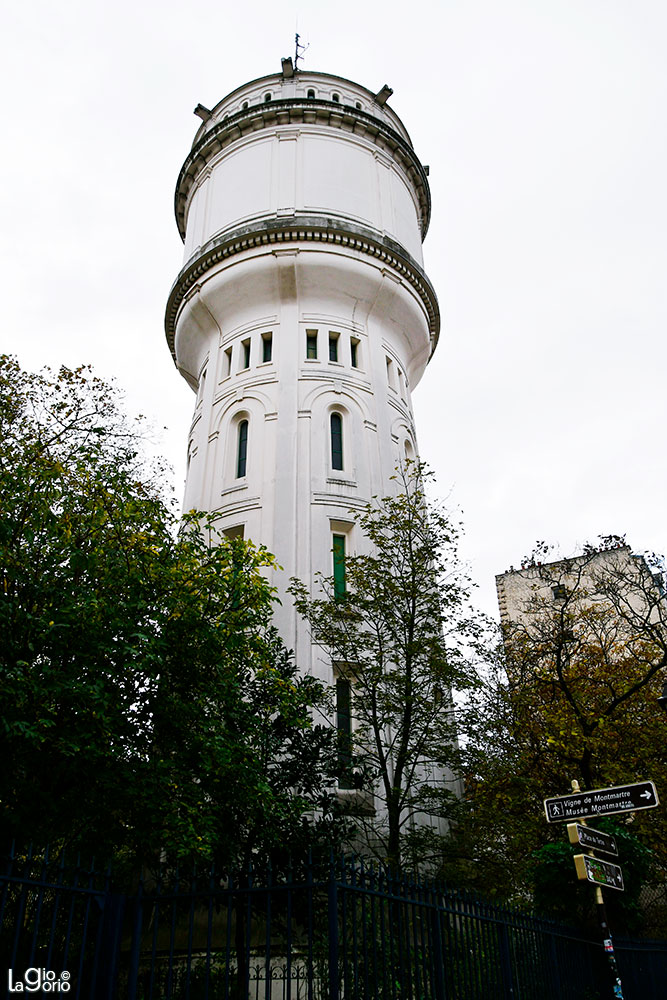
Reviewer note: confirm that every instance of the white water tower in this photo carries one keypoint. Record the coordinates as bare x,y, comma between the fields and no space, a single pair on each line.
302,317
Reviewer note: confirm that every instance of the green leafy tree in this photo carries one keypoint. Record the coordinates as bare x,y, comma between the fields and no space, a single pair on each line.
146,705
399,633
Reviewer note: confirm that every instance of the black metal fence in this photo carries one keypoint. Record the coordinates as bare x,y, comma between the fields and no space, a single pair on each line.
336,931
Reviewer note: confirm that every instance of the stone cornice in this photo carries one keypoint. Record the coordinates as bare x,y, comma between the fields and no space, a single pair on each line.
304,229
294,112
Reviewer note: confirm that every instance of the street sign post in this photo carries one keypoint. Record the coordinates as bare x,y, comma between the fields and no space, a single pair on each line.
594,840
602,802
600,872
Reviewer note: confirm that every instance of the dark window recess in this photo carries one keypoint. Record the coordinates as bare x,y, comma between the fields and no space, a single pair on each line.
337,441
311,346
237,531
242,452
333,347
559,592
246,353
339,565
354,353
267,346
311,95
344,730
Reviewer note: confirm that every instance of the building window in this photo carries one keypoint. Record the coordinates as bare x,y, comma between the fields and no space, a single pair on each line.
402,385
311,95
267,96
311,344
336,98
358,105
237,531
267,347
245,354
344,731
242,450
339,566
354,352
333,347
336,441
202,386
228,362
244,106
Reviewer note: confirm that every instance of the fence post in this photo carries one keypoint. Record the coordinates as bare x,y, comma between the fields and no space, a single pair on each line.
135,943
440,990
112,929
332,897
506,960
555,965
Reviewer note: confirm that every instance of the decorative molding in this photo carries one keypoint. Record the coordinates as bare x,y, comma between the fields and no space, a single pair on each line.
304,229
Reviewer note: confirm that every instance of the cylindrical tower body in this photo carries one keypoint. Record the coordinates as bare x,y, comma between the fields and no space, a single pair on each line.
302,316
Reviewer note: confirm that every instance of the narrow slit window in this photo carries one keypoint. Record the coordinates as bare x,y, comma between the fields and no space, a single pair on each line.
333,347
267,347
336,441
245,353
401,385
311,344
354,353
344,732
339,566
228,361
242,450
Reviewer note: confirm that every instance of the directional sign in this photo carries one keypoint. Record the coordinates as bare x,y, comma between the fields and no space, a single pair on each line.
595,840
600,872
602,802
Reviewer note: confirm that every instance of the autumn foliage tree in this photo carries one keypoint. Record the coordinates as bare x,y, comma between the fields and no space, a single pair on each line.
586,656
572,695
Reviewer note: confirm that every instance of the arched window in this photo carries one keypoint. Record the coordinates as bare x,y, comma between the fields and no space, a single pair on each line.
336,98
310,95
336,441
242,450
267,97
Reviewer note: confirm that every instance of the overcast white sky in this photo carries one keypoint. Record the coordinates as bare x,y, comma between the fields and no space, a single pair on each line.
543,124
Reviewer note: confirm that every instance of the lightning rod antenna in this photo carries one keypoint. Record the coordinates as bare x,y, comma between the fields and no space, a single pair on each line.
298,50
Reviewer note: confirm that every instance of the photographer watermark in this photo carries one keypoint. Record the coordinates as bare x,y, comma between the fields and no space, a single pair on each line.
38,981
